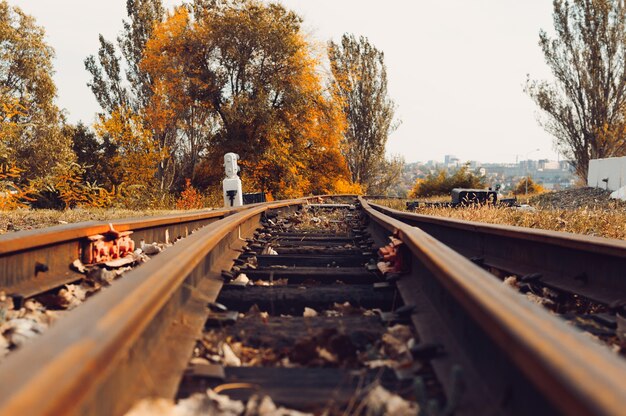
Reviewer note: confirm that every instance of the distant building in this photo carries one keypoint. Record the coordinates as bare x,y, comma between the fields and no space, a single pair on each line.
451,161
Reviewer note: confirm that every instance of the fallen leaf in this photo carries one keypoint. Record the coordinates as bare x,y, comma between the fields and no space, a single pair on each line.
21,330
267,407
102,276
150,249
225,405
380,401
269,250
538,299
79,266
327,355
124,261
229,356
242,278
511,281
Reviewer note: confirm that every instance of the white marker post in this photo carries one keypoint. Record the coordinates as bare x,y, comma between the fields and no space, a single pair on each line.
233,197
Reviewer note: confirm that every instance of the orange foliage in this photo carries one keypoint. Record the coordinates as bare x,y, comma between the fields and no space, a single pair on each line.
67,180
342,186
190,198
303,154
13,196
285,126
10,107
164,60
528,186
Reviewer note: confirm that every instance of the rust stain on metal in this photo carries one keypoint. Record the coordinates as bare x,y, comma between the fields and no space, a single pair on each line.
108,246
393,257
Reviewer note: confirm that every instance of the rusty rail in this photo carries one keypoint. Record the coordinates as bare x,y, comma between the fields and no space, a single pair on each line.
586,265
502,333
34,261
110,350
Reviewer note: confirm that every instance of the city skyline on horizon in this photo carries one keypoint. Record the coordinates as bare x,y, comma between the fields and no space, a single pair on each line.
463,161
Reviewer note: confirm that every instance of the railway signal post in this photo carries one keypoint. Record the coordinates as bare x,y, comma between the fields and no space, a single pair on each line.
232,183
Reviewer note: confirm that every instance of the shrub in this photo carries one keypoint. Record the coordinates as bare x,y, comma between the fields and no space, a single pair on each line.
190,198
441,182
343,186
12,195
533,187
66,188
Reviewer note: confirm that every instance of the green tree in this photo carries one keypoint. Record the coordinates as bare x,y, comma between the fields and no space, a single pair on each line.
112,87
97,155
30,122
360,82
584,106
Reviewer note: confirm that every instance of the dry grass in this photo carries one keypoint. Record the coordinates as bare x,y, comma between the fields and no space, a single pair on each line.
609,223
26,219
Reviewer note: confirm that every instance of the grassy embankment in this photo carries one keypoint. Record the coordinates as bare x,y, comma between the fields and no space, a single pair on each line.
600,216
603,220
26,219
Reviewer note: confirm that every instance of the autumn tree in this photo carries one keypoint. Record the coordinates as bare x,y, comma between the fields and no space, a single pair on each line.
584,106
239,76
136,154
113,86
175,103
360,82
30,122
385,175
123,88
527,186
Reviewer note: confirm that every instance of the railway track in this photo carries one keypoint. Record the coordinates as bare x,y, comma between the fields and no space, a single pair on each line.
316,326
34,261
577,276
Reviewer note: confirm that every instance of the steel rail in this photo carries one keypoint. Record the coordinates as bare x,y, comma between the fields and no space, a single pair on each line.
34,261
575,374
127,342
590,266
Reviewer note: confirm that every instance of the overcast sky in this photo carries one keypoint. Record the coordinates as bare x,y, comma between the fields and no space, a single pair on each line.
456,68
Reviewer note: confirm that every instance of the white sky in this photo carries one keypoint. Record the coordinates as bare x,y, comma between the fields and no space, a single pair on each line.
456,68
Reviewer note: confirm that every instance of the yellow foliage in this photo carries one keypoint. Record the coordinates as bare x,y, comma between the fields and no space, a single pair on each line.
10,108
441,182
342,186
528,186
13,196
164,59
67,181
137,154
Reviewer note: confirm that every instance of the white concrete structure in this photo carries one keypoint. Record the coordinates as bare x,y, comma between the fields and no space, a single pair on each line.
233,197
619,194
607,173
